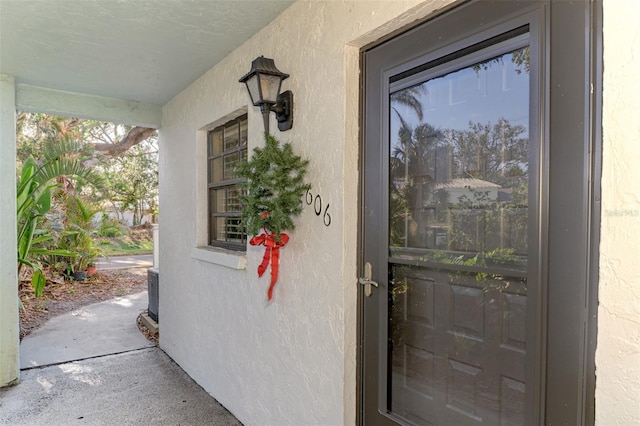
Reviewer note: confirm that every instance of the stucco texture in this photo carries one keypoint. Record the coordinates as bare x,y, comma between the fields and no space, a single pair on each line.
293,360
618,347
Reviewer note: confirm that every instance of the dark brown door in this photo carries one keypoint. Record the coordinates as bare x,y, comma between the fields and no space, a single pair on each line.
456,218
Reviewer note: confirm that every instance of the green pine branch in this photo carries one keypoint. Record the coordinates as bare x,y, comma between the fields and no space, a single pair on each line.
275,185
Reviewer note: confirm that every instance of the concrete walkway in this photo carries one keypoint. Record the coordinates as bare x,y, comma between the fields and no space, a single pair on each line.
93,366
95,330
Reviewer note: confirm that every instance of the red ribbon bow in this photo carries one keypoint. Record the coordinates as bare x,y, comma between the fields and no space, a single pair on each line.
271,253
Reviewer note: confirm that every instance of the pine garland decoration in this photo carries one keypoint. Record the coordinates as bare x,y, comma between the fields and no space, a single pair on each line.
272,192
271,197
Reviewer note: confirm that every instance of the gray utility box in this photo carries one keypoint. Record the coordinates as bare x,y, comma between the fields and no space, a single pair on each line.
153,286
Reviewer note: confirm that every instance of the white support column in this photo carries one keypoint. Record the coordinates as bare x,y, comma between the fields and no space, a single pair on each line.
156,245
9,325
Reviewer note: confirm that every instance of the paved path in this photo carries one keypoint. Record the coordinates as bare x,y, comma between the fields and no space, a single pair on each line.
95,330
143,387
122,262
93,366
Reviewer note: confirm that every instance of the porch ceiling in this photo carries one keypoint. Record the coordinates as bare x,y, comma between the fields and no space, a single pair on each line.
136,50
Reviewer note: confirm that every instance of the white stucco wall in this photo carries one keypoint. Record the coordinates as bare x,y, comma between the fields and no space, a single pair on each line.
618,350
292,361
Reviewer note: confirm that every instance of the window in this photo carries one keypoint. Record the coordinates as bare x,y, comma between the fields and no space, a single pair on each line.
226,146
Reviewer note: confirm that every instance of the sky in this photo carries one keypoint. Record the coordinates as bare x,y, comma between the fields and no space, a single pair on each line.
485,95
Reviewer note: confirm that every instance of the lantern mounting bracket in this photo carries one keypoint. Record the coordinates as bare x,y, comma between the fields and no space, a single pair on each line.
284,110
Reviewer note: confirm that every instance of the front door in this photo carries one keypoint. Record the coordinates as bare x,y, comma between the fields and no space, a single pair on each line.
464,172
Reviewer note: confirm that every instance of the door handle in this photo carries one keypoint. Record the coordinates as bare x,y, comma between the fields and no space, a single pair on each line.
366,280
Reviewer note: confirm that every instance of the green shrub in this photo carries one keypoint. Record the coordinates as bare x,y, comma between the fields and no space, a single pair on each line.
110,228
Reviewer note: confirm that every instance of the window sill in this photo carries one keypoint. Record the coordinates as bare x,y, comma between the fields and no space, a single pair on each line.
218,256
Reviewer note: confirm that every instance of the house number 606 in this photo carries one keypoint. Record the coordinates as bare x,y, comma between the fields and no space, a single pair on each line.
317,207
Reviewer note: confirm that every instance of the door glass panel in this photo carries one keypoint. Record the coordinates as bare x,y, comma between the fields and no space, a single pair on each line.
458,214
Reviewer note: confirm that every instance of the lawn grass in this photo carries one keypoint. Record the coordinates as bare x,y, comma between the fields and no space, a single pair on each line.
118,246
126,241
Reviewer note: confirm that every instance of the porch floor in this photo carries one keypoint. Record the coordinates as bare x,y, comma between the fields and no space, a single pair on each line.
94,366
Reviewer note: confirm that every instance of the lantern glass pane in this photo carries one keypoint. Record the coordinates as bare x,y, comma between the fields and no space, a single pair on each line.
270,87
254,90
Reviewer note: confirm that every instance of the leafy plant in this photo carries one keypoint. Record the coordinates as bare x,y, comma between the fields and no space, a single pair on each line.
80,232
36,184
110,228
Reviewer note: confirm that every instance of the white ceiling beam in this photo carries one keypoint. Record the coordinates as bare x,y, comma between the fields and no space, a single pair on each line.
70,104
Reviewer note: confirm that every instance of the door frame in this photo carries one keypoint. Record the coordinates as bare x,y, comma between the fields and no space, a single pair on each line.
576,99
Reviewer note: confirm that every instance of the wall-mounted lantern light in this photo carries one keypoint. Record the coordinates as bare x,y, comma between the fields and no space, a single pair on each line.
263,83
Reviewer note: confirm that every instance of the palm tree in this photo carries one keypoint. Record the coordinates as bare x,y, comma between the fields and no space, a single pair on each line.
409,97
413,167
